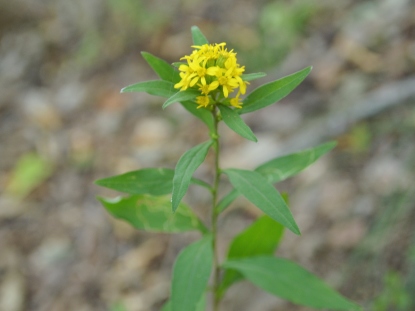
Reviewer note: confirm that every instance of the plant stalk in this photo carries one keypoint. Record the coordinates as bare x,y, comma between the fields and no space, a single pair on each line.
215,214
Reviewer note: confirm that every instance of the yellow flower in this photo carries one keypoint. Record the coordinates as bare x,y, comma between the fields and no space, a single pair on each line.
212,70
202,101
227,82
236,102
206,88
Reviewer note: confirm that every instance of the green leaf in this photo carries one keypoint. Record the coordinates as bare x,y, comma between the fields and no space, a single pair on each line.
202,114
186,166
282,168
166,306
235,122
198,37
201,305
181,96
272,92
155,87
286,166
163,69
253,76
154,181
153,213
289,281
191,273
262,194
260,238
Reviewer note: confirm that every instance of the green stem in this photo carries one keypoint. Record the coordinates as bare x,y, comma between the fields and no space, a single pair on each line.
215,214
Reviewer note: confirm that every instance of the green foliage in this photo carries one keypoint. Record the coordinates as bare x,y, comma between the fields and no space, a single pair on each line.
295,283
157,87
235,123
154,181
202,114
198,37
250,254
201,305
260,238
163,69
191,273
253,76
185,168
189,94
153,213
256,189
272,92
281,168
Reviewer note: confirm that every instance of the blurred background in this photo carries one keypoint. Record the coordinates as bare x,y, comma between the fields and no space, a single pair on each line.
64,124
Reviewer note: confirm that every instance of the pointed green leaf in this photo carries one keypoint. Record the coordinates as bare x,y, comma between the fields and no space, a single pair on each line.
153,213
202,114
156,87
186,166
154,181
163,69
181,96
191,274
272,92
289,281
286,166
235,123
262,194
198,37
201,305
253,76
260,238
282,168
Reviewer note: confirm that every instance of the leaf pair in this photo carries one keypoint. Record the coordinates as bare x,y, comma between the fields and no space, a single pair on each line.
148,207
260,238
281,168
250,257
263,195
286,279
153,214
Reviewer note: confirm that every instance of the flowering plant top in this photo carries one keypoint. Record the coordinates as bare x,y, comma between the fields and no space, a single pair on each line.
211,78
215,72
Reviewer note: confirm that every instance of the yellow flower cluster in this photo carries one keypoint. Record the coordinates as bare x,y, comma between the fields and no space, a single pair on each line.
213,70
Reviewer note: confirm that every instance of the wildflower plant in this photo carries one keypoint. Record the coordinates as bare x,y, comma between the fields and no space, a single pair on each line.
209,83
